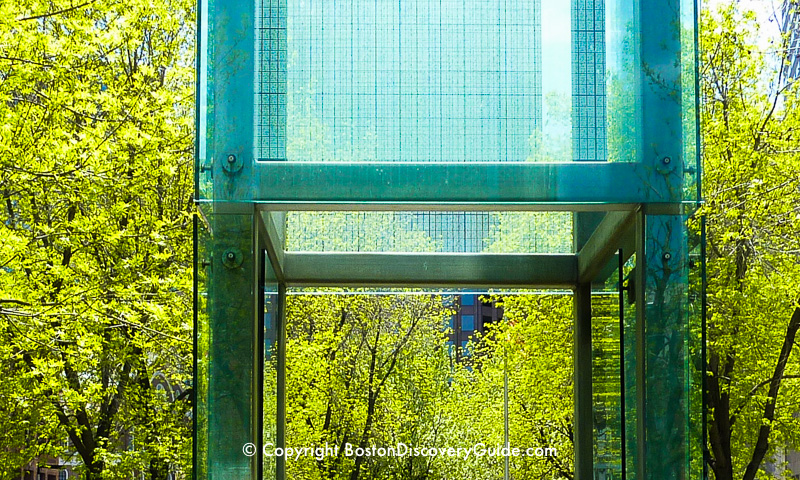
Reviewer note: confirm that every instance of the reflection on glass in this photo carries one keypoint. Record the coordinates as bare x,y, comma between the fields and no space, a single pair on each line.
606,385
623,95
416,80
449,81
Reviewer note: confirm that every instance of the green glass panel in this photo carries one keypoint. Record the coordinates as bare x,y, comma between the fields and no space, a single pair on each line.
662,93
606,384
629,341
622,85
665,405
696,306
202,248
690,101
588,72
457,232
225,92
201,180
443,81
228,348
421,80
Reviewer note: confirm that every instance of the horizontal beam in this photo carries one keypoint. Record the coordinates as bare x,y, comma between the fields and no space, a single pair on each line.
430,270
574,186
605,241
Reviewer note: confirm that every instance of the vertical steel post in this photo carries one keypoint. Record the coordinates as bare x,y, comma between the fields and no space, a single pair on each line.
281,380
232,351
582,358
663,403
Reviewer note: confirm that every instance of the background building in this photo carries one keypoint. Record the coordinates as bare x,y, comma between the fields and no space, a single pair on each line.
46,468
790,28
472,317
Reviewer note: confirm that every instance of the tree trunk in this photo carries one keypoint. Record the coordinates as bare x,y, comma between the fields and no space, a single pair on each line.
774,387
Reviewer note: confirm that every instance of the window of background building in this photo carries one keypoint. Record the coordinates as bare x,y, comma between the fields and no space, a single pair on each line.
468,300
468,322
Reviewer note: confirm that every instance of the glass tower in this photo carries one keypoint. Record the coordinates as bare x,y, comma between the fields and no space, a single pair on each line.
446,144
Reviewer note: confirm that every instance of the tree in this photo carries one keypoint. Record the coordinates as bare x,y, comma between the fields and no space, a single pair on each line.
376,370
534,347
751,174
96,138
364,370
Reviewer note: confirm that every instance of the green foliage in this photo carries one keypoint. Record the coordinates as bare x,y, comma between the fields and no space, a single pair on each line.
95,167
95,285
365,370
534,347
530,232
356,232
376,370
751,181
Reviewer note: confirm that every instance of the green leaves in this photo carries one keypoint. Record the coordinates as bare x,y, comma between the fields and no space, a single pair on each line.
95,182
751,179
344,385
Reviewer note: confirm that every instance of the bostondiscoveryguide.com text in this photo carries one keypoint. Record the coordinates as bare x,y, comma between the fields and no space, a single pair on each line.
400,450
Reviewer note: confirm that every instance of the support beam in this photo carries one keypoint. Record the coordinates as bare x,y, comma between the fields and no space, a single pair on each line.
582,365
274,367
639,280
575,186
229,346
280,322
663,354
260,240
614,232
271,227
431,270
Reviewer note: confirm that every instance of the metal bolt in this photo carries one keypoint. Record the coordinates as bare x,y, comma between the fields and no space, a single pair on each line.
667,256
232,258
231,158
666,160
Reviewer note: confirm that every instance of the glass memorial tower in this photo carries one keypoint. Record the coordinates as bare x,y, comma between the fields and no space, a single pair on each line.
447,144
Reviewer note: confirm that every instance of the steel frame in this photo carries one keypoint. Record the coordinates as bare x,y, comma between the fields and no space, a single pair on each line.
639,208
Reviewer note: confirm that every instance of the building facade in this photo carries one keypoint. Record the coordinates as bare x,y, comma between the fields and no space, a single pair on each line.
474,314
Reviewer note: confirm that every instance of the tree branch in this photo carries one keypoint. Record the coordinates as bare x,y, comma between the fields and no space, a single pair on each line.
762,443
58,12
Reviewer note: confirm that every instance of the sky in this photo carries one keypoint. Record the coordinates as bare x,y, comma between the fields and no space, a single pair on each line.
769,16
767,12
